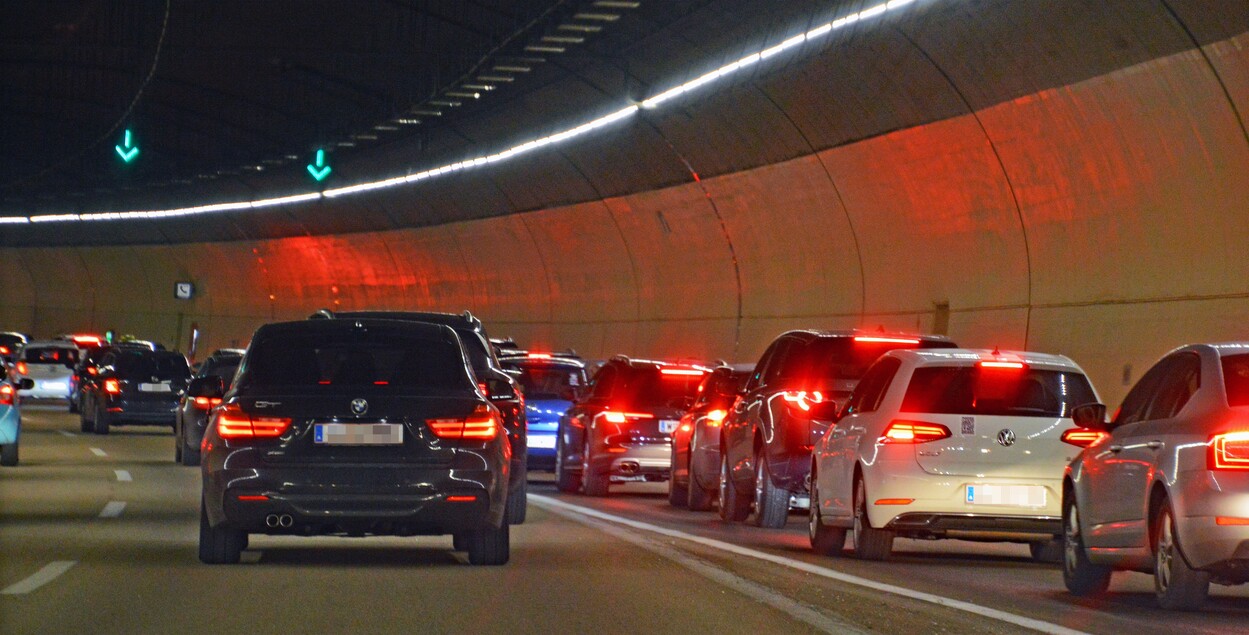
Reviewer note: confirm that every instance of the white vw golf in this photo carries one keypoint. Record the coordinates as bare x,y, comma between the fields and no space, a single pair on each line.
950,443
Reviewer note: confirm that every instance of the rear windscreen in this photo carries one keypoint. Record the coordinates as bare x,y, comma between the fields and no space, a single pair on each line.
649,388
548,381
1236,379
830,359
50,355
378,362
163,367
221,367
971,390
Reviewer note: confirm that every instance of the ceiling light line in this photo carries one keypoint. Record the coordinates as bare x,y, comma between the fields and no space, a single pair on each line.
528,146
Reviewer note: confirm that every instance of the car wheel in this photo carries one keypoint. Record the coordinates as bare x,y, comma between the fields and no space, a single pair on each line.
101,420
489,545
459,542
733,506
83,422
699,498
517,503
190,454
177,443
1048,551
1082,577
1176,585
678,495
593,483
771,502
218,545
825,540
565,479
8,454
73,405
869,543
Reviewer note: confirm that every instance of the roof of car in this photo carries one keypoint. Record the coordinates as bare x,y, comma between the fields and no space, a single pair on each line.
644,363
970,356
465,320
863,333
548,360
50,344
416,326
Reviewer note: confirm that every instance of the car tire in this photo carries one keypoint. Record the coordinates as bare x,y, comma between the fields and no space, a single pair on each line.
101,422
592,483
678,495
489,545
565,479
1047,551
825,540
459,541
518,503
177,443
869,543
219,545
699,498
1177,586
8,454
83,422
733,506
1081,576
190,457
771,502
72,403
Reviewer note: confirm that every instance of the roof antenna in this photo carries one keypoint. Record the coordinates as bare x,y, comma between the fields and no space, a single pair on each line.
996,352
880,328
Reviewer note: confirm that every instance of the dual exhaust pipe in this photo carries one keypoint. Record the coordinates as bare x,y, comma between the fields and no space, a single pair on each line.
274,521
629,467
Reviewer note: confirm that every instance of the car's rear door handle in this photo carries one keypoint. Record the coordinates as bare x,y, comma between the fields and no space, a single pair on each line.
1154,445
1116,448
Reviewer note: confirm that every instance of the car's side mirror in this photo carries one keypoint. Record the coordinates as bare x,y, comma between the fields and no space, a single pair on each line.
25,383
211,387
1090,415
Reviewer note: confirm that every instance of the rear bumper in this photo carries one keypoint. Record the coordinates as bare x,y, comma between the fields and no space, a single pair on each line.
974,525
47,389
153,412
638,462
942,501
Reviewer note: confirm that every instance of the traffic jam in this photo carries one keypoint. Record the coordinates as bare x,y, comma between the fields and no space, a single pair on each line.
396,423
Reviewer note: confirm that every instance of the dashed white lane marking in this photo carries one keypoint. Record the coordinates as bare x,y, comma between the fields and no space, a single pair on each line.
806,567
98,452
123,476
113,509
67,433
40,578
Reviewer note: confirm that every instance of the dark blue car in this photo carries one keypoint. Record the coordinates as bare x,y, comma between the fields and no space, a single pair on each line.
550,383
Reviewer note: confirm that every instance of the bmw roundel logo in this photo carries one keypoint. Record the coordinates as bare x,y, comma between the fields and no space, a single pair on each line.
1006,437
359,406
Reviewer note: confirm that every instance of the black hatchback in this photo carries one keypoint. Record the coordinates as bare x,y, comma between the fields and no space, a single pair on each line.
354,427
134,386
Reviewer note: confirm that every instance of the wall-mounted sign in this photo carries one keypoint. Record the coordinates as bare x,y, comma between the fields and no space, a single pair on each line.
183,290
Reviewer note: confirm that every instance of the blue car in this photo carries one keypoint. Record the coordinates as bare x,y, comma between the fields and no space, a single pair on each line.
550,383
10,417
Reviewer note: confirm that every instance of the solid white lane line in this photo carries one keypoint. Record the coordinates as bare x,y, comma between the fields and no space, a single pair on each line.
757,592
67,433
113,509
98,452
40,578
123,476
984,611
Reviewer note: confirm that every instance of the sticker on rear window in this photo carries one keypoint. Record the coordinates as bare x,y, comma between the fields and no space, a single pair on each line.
969,425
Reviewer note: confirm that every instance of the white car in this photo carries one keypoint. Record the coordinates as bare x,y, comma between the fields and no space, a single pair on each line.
950,443
50,365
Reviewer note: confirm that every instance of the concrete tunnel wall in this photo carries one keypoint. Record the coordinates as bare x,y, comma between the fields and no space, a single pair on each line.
1105,220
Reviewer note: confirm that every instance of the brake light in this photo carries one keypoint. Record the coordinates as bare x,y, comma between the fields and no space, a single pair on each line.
204,403
1231,521
1083,437
680,372
461,499
802,399
622,417
874,339
233,423
6,395
91,370
716,417
900,431
86,339
1228,451
894,501
482,425
1002,365
112,386
4,350
539,356
21,368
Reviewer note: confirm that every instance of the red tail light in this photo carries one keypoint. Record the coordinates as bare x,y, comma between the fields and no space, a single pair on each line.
539,356
611,416
1083,437
233,423
112,386
716,417
900,431
681,372
6,395
1228,451
4,350
90,340
998,365
802,399
875,339
482,425
21,368
204,403
91,370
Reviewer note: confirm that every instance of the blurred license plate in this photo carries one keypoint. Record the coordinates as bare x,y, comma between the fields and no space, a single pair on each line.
668,426
161,387
55,385
543,441
358,433
1017,495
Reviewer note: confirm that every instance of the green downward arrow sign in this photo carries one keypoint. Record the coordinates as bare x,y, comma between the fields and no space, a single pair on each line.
320,170
127,150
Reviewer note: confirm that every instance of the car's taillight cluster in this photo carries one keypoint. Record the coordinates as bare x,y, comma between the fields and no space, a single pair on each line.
6,395
901,431
613,416
206,403
21,368
112,386
802,399
482,425
1228,451
1083,437
233,423
716,417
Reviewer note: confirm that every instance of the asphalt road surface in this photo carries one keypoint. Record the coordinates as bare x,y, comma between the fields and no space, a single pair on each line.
98,535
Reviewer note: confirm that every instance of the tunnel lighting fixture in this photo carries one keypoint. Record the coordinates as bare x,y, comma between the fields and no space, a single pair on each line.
407,121
601,17
580,28
482,87
460,93
364,137
427,112
529,146
346,144
445,102
386,127
563,39
539,48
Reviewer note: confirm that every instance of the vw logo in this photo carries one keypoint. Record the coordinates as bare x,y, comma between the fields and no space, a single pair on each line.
1006,437
360,406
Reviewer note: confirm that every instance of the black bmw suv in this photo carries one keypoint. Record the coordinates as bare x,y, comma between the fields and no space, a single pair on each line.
354,427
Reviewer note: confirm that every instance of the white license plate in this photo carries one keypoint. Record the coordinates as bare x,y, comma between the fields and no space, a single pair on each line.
358,433
668,426
55,385
542,441
1014,495
161,387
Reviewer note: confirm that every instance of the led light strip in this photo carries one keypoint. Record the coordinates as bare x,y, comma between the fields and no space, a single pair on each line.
623,113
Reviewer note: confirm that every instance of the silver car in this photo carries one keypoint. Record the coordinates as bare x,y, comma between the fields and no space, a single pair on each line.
50,365
1164,489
